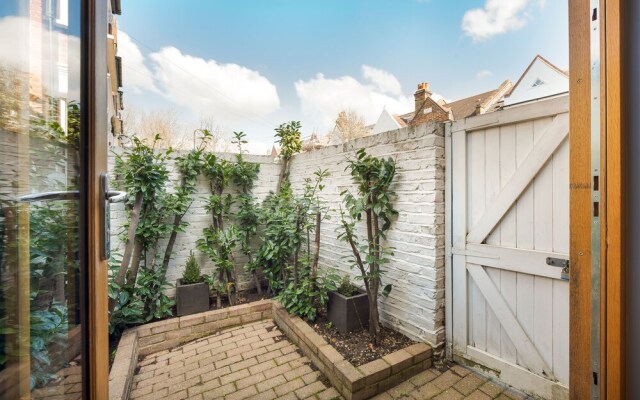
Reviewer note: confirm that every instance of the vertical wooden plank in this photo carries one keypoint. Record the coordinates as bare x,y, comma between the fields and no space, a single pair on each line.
561,245
459,237
448,259
543,241
493,187
561,199
615,216
579,87
476,166
560,332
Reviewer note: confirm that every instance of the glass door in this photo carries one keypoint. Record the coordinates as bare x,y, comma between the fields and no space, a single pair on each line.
45,302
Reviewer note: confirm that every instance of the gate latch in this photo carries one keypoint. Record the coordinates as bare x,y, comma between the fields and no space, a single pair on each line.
560,263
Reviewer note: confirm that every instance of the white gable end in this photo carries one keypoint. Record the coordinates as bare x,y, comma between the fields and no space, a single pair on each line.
386,122
539,81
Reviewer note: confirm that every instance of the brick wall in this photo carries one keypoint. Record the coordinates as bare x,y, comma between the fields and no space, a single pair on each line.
198,219
416,271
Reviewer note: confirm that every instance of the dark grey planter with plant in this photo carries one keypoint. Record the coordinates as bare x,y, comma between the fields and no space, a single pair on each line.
192,293
348,307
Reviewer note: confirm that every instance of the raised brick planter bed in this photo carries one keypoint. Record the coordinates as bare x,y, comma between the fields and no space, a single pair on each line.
353,383
170,333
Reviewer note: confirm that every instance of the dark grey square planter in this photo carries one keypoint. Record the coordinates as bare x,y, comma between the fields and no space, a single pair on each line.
348,313
192,299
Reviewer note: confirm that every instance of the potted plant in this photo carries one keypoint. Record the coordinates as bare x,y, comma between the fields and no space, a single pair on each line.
192,292
348,307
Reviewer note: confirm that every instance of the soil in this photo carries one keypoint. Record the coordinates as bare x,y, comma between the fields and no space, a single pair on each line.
243,297
356,346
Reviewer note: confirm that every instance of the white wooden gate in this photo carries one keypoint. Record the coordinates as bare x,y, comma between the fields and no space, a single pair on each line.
508,211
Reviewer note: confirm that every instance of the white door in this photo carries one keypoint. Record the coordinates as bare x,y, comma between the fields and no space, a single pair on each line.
509,212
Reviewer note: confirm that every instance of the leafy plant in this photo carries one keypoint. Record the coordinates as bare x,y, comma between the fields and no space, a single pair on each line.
309,296
288,138
346,288
151,288
191,272
373,177
244,175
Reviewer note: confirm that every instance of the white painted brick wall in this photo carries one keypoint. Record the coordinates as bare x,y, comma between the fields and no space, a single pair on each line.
198,219
416,271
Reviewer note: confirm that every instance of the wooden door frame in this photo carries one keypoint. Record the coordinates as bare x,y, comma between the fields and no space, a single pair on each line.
612,372
94,147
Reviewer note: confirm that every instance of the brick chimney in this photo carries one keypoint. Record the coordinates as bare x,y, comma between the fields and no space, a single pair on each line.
421,95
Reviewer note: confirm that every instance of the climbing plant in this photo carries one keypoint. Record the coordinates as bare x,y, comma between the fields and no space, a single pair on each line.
373,177
244,175
217,242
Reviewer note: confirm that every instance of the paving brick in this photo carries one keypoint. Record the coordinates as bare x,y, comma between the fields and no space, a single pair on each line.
311,377
491,389
234,376
286,358
254,353
268,395
310,390
469,383
279,370
423,378
460,370
272,355
328,394
219,392
446,380
262,366
289,387
249,381
242,394
239,350
478,395
271,383
295,373
228,361
449,394
203,386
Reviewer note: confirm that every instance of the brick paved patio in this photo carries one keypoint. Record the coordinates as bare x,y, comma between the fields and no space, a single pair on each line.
256,361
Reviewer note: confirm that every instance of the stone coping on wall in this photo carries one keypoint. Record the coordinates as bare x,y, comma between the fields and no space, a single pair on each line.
167,334
353,383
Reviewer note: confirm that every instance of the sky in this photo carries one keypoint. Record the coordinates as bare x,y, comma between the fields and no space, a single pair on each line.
250,65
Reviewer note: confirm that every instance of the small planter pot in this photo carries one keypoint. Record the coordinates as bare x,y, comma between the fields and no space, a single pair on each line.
348,313
192,298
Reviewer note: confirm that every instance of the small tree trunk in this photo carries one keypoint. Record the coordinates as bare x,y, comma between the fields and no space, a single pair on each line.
255,274
316,252
177,220
135,263
128,249
283,174
219,297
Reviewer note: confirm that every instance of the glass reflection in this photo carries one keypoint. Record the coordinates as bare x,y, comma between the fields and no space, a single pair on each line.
40,338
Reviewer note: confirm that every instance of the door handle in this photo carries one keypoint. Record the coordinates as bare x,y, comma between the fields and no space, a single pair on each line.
116,196
109,197
47,196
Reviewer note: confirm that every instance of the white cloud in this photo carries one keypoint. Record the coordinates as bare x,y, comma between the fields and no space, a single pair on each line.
229,92
17,53
383,80
323,98
496,17
137,75
485,73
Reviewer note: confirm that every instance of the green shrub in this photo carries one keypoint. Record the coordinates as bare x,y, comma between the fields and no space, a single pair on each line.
191,272
346,288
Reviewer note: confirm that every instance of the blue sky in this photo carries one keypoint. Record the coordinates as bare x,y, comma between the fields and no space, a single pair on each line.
252,64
